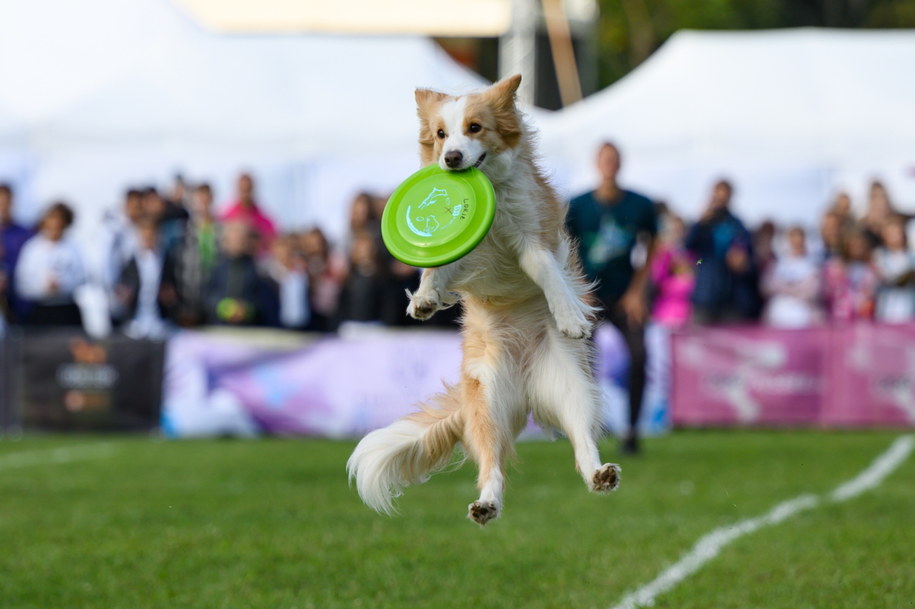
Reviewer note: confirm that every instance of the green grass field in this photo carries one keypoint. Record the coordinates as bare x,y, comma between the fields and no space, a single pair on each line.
273,524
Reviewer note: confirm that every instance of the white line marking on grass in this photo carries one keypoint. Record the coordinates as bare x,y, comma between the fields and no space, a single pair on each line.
882,467
56,456
710,545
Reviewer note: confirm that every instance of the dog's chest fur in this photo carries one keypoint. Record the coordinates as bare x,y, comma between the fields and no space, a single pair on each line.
492,271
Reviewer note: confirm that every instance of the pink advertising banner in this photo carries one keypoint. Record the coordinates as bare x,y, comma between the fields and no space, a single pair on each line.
849,376
873,376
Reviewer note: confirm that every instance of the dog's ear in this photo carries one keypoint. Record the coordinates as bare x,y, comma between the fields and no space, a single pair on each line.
503,92
425,98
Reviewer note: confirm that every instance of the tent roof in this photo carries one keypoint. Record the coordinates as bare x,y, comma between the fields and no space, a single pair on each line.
799,105
815,91
146,71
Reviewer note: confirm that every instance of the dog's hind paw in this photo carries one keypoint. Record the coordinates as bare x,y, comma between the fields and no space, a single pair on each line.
606,479
482,512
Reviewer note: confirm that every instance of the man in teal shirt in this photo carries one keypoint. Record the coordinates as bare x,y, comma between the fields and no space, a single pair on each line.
608,223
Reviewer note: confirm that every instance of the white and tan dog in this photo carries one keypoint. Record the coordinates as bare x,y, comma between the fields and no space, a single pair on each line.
526,318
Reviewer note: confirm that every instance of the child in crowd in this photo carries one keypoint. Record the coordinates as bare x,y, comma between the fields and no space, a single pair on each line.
896,267
851,281
49,271
287,268
325,277
792,285
237,294
672,277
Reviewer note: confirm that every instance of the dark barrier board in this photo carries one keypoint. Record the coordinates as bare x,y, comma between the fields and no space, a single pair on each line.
70,382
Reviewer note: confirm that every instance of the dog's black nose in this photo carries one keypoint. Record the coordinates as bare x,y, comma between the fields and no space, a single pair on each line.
453,158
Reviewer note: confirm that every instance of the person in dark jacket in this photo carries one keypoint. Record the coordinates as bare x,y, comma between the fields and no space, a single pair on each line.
143,300
727,286
238,294
363,291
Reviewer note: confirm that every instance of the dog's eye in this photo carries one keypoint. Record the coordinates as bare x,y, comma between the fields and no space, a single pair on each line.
441,134
474,128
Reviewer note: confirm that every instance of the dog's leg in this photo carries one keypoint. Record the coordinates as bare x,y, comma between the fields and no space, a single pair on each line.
432,294
563,392
490,402
568,309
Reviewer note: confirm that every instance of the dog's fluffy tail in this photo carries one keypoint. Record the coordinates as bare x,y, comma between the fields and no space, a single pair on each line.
406,452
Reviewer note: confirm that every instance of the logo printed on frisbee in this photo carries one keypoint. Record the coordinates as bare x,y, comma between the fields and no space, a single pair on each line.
439,213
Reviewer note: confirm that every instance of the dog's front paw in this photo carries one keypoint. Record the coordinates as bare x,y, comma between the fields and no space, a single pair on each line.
424,304
482,512
606,479
573,324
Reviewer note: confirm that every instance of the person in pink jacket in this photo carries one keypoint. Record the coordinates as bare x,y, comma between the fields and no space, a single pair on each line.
672,278
244,209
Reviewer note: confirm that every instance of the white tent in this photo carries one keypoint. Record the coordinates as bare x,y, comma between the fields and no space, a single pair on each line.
100,94
791,116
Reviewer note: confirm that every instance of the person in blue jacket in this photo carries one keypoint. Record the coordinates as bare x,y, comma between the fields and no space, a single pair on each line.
727,280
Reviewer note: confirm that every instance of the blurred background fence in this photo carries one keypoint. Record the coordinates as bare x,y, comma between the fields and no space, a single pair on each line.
249,383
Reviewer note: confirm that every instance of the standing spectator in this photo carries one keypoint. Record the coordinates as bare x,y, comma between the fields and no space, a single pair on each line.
325,277
895,265
122,235
189,263
609,223
792,286
176,203
139,287
4,297
879,211
49,271
672,277
245,209
764,246
851,281
287,268
842,208
170,223
726,278
12,237
363,289
832,234
238,295
362,216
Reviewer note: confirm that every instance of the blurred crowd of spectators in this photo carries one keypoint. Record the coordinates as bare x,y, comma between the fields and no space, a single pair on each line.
718,270
174,261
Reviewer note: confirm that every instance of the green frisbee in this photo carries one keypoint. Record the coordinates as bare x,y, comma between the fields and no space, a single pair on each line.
436,216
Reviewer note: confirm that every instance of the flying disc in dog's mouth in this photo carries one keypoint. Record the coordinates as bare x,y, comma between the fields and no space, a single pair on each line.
437,216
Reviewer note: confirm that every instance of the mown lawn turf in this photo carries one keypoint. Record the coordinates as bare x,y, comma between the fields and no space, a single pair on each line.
273,524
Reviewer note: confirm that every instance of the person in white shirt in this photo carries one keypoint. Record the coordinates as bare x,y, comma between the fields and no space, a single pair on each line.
792,285
139,291
896,267
49,271
287,269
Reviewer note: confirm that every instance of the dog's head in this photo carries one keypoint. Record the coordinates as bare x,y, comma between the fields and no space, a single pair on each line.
469,130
